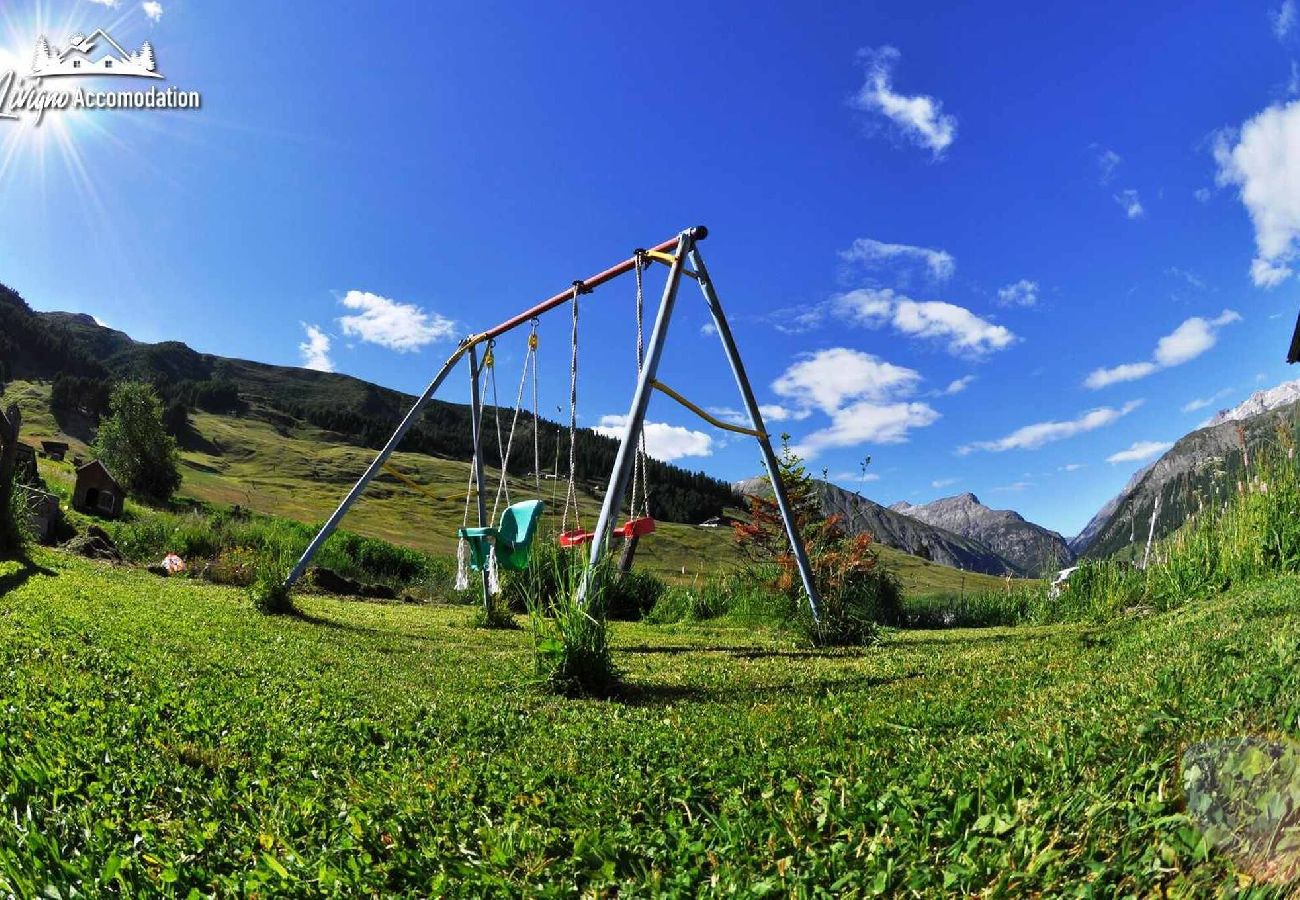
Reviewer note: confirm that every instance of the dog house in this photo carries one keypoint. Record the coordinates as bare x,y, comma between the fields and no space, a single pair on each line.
97,491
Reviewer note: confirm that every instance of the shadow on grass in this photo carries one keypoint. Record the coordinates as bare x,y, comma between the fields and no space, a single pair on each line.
15,580
750,652
650,694
1021,635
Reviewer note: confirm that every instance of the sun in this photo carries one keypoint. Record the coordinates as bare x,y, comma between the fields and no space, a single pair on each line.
35,149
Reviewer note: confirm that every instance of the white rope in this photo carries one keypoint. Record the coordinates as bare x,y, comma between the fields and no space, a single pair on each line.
490,364
510,441
571,499
462,546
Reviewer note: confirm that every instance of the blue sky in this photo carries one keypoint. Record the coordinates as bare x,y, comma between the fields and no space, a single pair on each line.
991,248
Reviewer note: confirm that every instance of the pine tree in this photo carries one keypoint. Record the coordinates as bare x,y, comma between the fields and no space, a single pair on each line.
146,59
42,57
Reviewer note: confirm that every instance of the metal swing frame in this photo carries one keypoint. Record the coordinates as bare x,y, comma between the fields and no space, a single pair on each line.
676,253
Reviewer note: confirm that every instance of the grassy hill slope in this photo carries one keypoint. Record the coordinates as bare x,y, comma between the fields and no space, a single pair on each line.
161,738
271,463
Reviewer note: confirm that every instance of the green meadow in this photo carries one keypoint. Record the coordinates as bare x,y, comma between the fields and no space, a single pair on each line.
161,736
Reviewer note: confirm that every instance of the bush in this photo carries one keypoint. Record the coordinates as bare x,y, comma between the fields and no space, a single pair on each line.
235,543
268,592
571,651
857,593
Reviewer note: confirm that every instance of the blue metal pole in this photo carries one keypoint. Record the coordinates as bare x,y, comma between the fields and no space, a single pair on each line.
640,400
756,421
328,528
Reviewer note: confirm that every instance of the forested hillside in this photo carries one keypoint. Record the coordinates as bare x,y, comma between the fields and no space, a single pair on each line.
81,357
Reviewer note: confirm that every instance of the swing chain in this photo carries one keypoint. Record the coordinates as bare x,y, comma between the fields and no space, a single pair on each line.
571,498
529,357
537,444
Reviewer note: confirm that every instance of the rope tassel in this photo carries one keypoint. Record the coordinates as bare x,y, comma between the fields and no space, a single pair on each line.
462,565
493,579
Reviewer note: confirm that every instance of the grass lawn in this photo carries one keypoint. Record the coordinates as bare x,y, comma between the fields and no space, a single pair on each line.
159,737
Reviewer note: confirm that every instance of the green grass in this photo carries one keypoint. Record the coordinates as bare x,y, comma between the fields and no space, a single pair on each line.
161,737
270,463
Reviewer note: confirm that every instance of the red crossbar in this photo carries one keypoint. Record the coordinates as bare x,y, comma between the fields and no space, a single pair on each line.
699,233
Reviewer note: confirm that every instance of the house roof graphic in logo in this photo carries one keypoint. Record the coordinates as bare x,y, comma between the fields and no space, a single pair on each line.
89,56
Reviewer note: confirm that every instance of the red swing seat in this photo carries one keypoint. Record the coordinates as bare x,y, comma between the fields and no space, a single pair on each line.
637,527
575,538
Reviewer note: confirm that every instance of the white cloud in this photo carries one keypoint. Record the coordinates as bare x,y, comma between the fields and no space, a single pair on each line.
1283,19
1023,293
1107,162
855,477
1263,161
830,378
920,118
1202,402
941,483
1186,342
1031,437
1070,467
964,333
398,326
1014,488
1130,203
1202,195
111,4
1192,279
662,441
153,9
1139,452
865,398
939,265
956,387
772,412
708,329
1100,378
1192,338
868,422
315,351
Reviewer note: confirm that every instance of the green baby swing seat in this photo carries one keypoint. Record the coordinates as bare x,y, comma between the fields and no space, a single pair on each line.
514,537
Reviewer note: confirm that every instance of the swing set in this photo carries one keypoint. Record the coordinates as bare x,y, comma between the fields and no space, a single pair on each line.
488,548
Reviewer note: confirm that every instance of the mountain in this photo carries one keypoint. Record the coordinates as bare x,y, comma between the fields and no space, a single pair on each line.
80,357
858,515
1085,538
1260,402
1207,461
1031,548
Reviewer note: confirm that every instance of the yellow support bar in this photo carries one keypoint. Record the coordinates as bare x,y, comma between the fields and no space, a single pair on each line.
712,420
668,259
416,486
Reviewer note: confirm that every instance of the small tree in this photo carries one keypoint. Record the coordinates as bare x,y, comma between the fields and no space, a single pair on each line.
135,446
857,592
146,58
